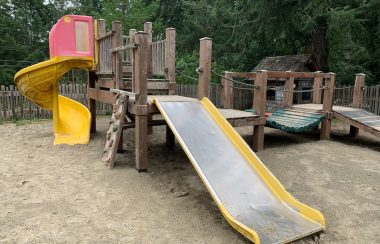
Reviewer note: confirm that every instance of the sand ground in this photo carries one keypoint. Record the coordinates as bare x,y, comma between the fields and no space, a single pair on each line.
56,194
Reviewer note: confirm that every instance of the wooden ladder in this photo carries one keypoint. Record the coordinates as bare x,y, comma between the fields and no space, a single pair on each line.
115,130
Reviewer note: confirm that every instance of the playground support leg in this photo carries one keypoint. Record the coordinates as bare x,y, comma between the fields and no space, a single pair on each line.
258,138
170,138
354,131
120,146
92,102
325,129
141,142
150,128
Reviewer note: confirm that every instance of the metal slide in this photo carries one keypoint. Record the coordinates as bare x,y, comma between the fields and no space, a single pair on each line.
39,83
251,199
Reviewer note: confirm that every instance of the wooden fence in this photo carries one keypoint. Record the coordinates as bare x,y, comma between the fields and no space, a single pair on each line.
13,106
371,97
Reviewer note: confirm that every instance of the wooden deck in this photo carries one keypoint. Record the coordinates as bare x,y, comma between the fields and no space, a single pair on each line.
355,117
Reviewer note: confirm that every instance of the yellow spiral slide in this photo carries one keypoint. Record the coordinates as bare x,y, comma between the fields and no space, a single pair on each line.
39,83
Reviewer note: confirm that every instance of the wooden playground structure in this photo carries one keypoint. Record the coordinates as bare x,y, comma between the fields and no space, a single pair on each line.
132,70
131,63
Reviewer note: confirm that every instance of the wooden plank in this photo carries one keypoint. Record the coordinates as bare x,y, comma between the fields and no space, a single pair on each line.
205,53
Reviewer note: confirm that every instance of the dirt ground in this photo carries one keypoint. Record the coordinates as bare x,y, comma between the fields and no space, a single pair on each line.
55,194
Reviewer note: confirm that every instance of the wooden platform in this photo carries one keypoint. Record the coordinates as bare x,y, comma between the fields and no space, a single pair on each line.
355,117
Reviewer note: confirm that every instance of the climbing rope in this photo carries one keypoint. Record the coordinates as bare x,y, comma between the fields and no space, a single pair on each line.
237,82
187,76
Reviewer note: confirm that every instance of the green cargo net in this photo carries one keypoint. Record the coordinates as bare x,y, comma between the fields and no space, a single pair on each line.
294,120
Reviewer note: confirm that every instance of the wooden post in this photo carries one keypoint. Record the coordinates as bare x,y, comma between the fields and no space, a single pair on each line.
357,101
327,107
101,32
289,91
92,102
140,79
227,95
358,91
317,92
170,59
117,63
132,33
205,54
148,30
259,106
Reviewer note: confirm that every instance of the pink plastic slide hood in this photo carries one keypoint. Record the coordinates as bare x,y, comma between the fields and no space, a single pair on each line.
72,36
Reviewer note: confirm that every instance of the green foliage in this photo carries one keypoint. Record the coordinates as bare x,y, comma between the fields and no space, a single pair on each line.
344,35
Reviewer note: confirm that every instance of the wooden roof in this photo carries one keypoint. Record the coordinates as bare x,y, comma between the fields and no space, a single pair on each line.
295,63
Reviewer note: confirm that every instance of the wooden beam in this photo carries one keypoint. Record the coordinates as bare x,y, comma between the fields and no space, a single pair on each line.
101,95
148,30
106,83
317,92
296,75
327,106
140,80
170,66
150,86
246,75
205,54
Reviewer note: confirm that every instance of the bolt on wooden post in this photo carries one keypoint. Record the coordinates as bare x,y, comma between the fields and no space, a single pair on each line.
205,54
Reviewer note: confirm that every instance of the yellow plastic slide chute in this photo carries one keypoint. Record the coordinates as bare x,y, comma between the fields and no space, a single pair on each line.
39,83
